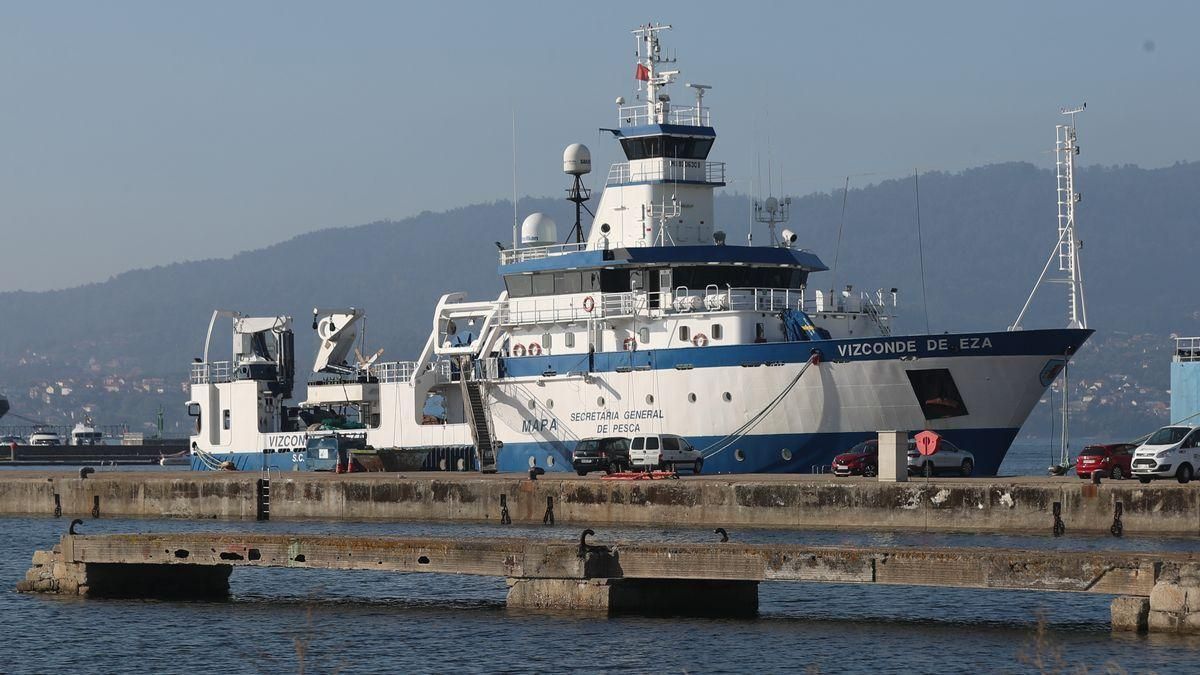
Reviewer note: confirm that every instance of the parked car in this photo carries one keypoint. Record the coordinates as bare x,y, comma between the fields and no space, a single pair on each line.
664,451
610,455
1170,451
1113,460
861,460
948,459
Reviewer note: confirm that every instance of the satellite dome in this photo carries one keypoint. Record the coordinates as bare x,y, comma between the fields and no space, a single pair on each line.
772,205
577,160
538,229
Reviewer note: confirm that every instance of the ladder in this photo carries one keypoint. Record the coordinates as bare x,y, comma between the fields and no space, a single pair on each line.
263,493
475,404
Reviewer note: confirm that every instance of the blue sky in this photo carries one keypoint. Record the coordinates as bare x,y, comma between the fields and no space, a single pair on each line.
141,133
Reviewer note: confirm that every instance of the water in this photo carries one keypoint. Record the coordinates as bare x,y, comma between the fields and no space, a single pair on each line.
381,622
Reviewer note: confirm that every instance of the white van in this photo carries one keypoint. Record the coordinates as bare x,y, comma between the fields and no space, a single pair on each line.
664,451
1170,451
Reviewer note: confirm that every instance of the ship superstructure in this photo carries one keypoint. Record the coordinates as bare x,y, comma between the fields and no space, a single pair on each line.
652,322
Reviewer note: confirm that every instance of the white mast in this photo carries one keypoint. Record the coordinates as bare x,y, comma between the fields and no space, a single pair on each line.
649,56
1066,249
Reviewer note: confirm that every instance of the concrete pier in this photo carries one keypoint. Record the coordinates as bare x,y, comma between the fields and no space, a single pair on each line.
814,502
719,578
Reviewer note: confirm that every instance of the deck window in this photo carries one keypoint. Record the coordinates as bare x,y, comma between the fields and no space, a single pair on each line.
519,285
543,284
225,419
685,334
569,340
717,331
644,335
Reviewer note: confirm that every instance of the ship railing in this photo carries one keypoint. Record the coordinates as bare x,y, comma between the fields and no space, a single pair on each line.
214,372
1187,349
516,255
621,173
404,371
639,115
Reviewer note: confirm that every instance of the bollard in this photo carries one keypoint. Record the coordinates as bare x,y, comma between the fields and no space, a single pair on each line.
84,472
724,535
535,471
583,547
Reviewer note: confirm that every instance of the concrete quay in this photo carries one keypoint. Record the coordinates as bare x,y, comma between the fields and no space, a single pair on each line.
1012,505
1159,591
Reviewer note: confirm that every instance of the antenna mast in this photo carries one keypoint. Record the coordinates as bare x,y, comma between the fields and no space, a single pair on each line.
1066,249
649,56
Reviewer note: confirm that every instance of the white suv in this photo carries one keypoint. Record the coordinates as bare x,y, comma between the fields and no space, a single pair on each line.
1170,451
664,451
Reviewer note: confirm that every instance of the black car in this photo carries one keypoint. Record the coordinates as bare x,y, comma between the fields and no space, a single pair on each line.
609,454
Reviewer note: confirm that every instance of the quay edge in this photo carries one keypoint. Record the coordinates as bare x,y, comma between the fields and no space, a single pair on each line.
975,505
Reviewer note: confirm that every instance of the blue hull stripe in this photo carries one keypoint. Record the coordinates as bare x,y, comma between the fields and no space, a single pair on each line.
1054,342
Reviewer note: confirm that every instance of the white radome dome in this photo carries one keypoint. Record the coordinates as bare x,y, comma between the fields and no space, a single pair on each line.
577,160
538,229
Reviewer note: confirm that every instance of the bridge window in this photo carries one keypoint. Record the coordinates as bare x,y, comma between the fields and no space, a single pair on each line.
673,147
568,282
519,285
736,276
543,284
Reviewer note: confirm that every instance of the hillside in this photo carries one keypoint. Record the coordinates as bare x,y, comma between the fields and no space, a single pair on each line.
986,233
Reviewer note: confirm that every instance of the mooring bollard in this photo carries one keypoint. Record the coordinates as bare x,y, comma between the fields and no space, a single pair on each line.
724,535
86,471
1117,528
1059,526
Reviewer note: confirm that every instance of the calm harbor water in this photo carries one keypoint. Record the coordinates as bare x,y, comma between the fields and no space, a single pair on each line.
364,622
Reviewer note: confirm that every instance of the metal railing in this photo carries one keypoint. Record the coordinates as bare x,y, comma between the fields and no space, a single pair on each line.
620,173
1187,349
211,373
516,255
639,115
681,300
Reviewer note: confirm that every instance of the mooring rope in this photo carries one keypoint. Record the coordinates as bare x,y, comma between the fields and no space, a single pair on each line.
741,431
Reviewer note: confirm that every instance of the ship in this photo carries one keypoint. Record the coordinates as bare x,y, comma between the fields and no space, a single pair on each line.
650,322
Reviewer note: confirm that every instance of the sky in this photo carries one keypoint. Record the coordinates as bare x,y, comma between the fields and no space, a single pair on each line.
143,133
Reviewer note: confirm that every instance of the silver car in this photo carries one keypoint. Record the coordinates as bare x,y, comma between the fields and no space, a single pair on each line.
948,459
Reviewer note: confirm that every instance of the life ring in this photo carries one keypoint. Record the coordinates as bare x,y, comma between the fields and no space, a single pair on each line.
535,349
630,344
700,340
518,350
589,304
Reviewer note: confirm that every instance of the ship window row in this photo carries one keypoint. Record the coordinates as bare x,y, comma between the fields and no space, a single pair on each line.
666,146
624,280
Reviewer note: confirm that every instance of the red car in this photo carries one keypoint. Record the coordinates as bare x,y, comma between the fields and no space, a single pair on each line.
1109,460
861,460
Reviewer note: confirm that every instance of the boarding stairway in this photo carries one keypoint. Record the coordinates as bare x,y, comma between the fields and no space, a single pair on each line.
478,417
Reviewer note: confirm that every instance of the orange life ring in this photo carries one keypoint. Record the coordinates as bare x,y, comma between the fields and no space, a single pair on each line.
589,304
700,340
630,344
535,349
518,350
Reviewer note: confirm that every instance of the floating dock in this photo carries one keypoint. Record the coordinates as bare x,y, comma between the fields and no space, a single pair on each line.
1158,590
1025,505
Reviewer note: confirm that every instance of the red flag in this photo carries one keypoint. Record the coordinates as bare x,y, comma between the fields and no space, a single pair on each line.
642,73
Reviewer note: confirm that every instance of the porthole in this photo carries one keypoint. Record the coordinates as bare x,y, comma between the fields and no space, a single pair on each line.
532,462
549,460
550,403
739,455
786,454
649,399
600,401
727,396
532,404
692,397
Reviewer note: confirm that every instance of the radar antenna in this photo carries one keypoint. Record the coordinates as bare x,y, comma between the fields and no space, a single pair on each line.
649,56
773,212
1067,248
